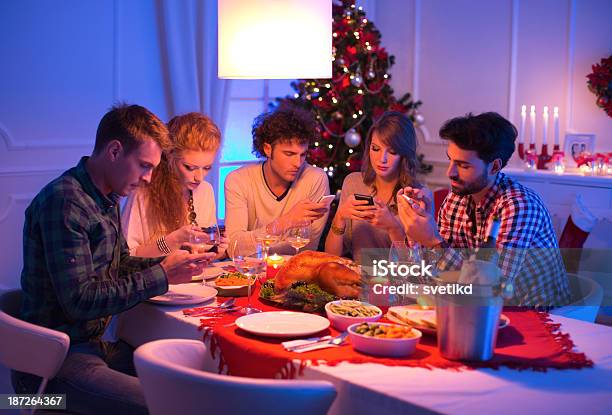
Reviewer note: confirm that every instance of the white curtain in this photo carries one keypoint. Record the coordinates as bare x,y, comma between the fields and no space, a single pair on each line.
188,39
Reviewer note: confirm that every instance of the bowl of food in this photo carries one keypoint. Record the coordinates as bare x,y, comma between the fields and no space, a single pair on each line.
343,313
384,339
233,284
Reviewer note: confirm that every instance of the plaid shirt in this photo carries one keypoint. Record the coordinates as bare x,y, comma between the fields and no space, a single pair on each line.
77,270
529,254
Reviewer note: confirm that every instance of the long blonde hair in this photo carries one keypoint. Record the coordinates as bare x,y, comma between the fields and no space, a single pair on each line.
165,206
396,131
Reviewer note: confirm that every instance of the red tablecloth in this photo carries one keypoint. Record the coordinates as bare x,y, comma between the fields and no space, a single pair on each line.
531,341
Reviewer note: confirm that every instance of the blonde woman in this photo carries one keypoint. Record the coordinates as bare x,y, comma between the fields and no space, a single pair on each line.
171,211
389,163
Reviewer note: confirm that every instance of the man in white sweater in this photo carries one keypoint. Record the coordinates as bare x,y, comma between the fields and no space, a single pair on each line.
281,191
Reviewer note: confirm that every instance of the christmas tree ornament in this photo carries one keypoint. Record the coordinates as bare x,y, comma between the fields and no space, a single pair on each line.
419,119
357,79
352,138
358,94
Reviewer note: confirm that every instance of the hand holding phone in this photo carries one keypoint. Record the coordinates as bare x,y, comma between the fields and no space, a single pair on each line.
368,198
327,199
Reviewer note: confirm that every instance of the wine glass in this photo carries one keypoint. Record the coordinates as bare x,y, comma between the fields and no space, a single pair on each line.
299,236
198,241
405,253
214,237
250,266
268,235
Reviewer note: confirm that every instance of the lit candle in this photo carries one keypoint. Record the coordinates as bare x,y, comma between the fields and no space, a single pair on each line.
522,129
556,125
274,262
532,119
545,126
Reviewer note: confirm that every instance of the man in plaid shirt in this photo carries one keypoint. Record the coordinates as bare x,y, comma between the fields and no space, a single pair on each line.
478,148
77,270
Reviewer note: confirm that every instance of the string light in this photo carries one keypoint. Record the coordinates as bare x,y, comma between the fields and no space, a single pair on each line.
354,115
347,164
365,21
320,98
350,151
334,100
296,95
324,168
331,168
316,144
385,76
316,90
359,91
335,34
327,85
360,112
331,146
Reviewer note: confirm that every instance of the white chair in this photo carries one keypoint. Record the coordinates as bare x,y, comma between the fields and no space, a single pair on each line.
27,347
174,382
587,295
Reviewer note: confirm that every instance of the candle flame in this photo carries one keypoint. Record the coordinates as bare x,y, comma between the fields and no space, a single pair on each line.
532,110
556,110
523,109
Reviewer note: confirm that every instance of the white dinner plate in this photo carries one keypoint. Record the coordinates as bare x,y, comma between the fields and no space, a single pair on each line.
209,273
415,313
185,294
282,323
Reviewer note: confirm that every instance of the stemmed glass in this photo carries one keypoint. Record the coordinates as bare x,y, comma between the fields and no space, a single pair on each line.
299,236
268,235
214,237
405,253
250,266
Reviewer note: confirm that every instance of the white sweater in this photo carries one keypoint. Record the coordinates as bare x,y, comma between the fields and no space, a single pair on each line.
134,216
250,205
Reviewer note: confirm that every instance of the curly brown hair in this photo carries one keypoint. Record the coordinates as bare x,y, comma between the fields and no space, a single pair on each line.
165,206
286,124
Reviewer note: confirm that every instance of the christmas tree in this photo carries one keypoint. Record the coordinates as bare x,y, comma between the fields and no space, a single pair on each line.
359,92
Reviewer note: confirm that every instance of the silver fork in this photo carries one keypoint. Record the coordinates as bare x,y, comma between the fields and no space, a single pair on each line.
337,341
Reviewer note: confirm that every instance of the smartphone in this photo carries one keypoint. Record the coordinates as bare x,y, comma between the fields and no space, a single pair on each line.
413,203
369,198
327,199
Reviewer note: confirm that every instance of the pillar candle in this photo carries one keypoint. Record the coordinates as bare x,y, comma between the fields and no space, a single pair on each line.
274,262
522,128
532,119
556,124
545,125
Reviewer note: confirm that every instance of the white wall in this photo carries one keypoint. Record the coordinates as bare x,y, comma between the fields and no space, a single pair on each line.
480,55
63,65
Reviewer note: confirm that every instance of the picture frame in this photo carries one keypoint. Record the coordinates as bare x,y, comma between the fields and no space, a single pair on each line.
575,144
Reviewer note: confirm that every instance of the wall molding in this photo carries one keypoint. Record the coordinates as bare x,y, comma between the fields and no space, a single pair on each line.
12,144
416,72
571,52
32,172
14,199
514,26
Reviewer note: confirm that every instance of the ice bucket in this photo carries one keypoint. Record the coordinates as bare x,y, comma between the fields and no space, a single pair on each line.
467,324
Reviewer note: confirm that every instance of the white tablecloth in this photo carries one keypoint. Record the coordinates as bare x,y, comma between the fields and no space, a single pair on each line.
378,389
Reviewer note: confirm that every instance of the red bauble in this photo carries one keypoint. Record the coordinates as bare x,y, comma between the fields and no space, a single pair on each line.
354,163
318,156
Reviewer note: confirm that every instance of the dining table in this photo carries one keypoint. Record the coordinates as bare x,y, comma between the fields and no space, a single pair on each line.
368,388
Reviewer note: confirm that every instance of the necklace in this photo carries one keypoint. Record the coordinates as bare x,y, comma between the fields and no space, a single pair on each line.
191,216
